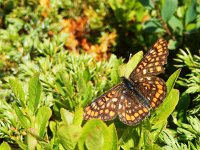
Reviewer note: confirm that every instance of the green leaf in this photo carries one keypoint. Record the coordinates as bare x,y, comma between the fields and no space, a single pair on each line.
92,135
191,27
191,12
78,116
147,3
42,118
35,90
95,139
172,79
69,135
182,107
111,140
168,9
17,89
159,118
96,135
168,107
69,88
66,116
24,120
127,140
132,63
176,25
153,25
21,144
5,146
172,44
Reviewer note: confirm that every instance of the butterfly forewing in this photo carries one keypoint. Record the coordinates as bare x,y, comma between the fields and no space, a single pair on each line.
153,61
105,106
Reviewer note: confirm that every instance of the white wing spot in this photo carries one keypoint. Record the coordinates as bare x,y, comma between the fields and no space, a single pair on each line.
114,99
122,97
144,71
120,106
108,105
93,104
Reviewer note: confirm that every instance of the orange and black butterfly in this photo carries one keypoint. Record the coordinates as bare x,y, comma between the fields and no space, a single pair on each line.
133,98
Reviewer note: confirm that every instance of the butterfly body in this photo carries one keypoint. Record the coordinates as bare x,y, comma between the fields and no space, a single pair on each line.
131,87
133,98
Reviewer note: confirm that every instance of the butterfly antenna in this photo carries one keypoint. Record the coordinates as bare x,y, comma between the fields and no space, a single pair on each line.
130,56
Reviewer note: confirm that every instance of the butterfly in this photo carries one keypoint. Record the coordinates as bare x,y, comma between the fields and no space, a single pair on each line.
133,98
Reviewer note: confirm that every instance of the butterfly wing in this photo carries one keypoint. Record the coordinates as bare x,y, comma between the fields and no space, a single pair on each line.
130,110
153,61
105,107
153,89
130,107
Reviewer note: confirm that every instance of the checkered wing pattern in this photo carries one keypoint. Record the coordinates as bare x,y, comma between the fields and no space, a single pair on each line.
105,106
130,110
132,99
153,89
153,61
117,101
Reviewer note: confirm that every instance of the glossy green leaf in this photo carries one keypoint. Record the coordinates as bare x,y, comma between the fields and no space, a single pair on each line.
191,12
172,79
96,135
69,135
25,122
165,110
92,126
176,24
35,90
66,116
168,9
153,25
147,3
42,118
111,139
172,44
5,146
127,140
182,107
78,116
69,88
159,118
149,141
17,89
126,69
191,27
95,140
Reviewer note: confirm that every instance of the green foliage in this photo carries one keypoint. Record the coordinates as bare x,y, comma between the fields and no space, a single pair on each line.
186,137
169,8
46,78
67,129
192,80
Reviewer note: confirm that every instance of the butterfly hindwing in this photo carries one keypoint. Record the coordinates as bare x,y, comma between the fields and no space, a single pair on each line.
105,106
130,110
154,89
